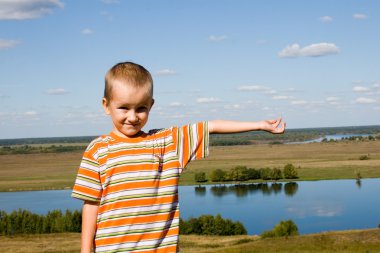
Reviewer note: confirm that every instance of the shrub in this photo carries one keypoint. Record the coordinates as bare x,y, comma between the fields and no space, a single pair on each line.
253,174
290,171
276,174
210,225
282,229
239,173
265,173
285,228
200,177
364,157
217,175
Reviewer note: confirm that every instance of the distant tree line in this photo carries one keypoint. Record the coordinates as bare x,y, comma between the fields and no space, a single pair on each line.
26,222
27,149
211,225
56,221
242,173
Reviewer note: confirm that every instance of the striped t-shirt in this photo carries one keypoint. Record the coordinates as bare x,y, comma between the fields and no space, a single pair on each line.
135,181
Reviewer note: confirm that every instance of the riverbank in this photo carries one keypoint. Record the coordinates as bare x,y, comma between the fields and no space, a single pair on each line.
316,161
338,241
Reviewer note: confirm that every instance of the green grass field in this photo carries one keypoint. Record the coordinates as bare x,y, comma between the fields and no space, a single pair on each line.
317,161
366,241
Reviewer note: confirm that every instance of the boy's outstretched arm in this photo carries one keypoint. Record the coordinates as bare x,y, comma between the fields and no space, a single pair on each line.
225,126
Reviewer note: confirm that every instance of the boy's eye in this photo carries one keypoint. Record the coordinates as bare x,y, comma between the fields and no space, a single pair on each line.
142,109
123,108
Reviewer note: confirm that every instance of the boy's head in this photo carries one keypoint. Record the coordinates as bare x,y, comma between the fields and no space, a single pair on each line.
128,97
131,74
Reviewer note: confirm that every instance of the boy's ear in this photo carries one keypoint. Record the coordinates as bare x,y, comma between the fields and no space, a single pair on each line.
105,106
151,105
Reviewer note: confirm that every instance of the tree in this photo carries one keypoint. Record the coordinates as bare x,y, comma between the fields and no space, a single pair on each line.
217,175
253,174
285,228
239,173
265,173
200,177
290,171
276,174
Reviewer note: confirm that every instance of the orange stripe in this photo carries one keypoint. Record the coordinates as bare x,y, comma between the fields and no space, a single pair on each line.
87,191
138,202
200,129
139,219
140,185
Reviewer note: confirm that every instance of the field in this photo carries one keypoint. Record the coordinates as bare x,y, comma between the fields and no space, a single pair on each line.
317,161
342,241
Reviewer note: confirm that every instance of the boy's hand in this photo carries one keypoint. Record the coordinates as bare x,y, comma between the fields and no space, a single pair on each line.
273,126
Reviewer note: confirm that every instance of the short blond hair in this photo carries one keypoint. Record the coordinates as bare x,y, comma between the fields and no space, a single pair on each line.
130,73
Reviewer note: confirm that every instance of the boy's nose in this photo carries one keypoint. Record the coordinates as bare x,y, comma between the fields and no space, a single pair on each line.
132,117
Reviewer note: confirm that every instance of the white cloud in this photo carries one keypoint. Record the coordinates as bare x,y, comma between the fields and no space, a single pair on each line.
204,100
87,31
27,9
313,50
216,38
166,72
364,100
359,16
176,104
5,44
326,19
280,97
57,91
298,102
30,113
253,88
234,106
360,89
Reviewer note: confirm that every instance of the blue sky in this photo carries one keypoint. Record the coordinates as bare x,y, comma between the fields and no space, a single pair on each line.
315,63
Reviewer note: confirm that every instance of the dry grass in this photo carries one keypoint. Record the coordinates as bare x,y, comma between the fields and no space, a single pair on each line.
342,241
317,161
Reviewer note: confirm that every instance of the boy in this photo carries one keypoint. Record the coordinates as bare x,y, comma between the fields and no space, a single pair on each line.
128,179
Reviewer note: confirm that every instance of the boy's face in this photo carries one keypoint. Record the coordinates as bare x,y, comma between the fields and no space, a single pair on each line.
129,108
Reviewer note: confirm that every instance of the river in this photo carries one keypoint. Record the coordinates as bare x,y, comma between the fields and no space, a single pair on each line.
315,206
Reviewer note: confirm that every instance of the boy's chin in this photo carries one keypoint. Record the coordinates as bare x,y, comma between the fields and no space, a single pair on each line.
130,133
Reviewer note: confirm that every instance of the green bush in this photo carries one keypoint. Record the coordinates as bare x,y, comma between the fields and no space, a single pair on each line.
200,177
282,229
210,225
217,175
266,173
364,157
290,171
276,174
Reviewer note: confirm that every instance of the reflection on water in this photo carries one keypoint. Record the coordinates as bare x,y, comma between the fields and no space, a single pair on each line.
243,190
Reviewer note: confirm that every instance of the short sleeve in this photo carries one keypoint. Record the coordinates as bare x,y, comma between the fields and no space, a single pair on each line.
87,184
192,142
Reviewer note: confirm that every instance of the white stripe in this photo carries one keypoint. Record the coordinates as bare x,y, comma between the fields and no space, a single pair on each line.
158,191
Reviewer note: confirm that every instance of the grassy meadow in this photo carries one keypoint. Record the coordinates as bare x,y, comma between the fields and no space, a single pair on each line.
317,161
366,241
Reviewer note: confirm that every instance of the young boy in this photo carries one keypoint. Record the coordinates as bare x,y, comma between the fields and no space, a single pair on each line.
128,179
